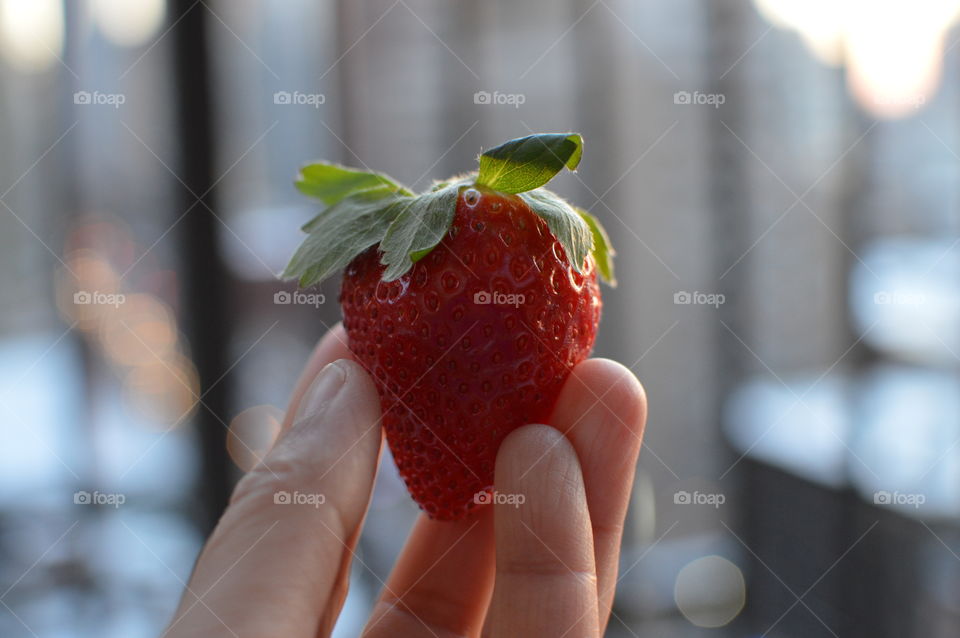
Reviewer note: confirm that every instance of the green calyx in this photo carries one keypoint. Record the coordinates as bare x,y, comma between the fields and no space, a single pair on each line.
364,209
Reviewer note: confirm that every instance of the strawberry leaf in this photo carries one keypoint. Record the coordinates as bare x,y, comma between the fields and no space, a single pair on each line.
570,229
602,251
358,198
529,162
365,209
418,226
331,182
342,232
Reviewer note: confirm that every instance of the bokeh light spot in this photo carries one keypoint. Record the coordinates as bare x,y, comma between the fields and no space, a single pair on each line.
710,591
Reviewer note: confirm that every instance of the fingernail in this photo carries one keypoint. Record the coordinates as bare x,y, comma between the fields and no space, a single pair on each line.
323,389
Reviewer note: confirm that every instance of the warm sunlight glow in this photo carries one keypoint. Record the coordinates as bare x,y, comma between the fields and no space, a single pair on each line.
31,33
820,22
127,23
893,50
141,330
86,277
165,391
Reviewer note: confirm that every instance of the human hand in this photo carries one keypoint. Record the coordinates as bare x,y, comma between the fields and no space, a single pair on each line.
545,568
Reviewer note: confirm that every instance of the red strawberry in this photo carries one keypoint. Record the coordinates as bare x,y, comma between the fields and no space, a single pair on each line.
462,303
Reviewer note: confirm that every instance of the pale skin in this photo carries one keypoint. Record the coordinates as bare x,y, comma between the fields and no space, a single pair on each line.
545,568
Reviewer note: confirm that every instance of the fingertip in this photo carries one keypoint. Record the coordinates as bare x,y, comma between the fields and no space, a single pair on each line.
528,447
532,441
331,347
537,465
357,378
347,413
611,384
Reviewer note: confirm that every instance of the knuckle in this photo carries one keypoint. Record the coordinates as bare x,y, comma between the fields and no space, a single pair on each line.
267,480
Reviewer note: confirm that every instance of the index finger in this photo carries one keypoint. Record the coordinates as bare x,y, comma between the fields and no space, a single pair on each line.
286,540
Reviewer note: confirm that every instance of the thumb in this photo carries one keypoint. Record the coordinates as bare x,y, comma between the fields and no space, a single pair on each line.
277,562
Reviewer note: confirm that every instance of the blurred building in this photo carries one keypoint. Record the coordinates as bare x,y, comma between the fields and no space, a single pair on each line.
780,179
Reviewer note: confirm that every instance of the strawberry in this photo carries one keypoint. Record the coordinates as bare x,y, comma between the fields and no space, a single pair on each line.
468,304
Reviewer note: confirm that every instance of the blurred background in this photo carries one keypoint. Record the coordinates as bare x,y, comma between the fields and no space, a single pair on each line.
780,177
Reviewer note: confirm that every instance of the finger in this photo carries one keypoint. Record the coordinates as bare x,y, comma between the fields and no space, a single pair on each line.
442,583
546,581
331,347
602,410
272,564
